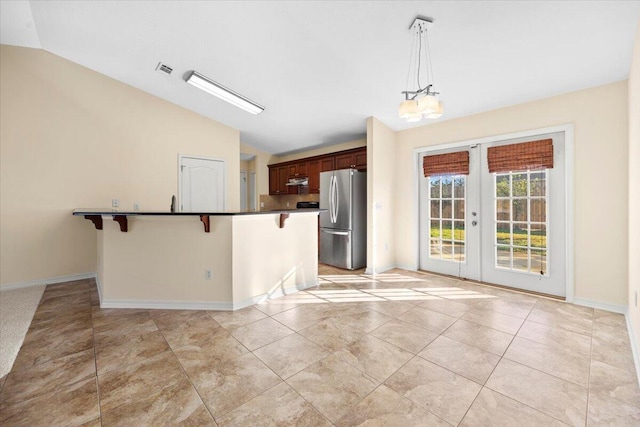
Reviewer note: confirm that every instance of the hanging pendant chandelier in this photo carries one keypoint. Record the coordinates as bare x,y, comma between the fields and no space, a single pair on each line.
423,101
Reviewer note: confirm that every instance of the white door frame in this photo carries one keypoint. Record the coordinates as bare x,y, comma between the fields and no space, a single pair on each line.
253,205
224,178
569,189
244,200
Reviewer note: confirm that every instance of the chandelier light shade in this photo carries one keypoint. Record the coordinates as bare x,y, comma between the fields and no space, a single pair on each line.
420,101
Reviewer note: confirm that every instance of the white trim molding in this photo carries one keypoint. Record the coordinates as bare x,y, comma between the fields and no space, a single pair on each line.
635,351
198,305
615,308
48,281
166,305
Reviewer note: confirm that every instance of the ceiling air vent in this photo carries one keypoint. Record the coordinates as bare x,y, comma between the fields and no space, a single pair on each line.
164,68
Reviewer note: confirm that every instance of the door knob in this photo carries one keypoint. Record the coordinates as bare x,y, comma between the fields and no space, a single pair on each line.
474,223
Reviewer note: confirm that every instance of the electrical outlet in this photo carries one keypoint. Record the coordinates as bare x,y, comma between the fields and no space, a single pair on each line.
262,204
287,204
136,207
207,274
115,203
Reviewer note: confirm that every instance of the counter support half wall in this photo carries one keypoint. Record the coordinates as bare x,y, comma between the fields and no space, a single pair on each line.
163,261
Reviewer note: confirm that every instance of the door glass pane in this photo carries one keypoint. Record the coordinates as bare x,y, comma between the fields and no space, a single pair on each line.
447,212
447,250
538,210
446,203
458,251
519,185
519,209
458,187
458,211
458,231
434,185
502,185
538,236
538,184
435,229
446,187
521,259
503,256
503,210
520,234
539,261
521,221
503,233
435,209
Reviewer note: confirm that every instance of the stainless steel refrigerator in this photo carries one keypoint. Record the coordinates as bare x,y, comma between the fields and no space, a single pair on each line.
343,227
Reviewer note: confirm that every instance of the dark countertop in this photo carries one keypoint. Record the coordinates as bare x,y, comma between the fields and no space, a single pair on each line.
107,211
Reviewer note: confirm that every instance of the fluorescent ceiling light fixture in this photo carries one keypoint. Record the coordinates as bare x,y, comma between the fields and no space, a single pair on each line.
201,82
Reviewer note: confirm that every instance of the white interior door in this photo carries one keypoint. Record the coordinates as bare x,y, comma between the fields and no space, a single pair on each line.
503,228
202,184
243,191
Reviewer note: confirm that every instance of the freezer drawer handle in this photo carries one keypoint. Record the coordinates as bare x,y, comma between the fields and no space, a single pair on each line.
339,233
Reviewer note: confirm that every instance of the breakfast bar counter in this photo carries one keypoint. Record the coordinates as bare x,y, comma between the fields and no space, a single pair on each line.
202,260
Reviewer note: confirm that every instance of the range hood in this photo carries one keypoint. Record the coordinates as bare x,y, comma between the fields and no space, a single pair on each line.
298,181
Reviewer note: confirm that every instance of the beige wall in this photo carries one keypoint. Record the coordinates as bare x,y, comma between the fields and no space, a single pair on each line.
320,151
634,191
261,160
600,171
69,138
381,191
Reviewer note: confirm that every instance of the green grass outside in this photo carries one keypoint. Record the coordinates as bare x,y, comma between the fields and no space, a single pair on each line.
519,238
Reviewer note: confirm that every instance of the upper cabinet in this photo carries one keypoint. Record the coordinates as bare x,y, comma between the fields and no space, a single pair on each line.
352,160
311,167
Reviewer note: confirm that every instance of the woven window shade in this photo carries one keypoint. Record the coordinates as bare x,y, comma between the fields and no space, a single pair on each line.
446,164
518,157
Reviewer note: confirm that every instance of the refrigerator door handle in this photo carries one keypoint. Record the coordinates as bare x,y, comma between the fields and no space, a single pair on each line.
336,195
334,199
331,199
339,233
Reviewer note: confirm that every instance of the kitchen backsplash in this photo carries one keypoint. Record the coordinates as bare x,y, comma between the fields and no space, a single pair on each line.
280,202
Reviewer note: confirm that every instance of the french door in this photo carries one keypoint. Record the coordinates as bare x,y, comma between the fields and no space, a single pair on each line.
506,228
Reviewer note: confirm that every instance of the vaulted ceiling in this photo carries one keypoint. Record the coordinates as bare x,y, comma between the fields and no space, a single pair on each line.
322,67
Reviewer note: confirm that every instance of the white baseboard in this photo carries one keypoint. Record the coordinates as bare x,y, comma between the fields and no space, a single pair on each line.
622,309
407,267
378,270
198,305
48,281
635,351
167,305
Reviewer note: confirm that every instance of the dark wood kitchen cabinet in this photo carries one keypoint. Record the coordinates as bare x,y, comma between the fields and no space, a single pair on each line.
278,178
356,159
311,167
298,170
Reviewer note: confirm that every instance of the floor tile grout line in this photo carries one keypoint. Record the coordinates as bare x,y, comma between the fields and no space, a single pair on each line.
586,415
502,357
524,404
95,363
184,371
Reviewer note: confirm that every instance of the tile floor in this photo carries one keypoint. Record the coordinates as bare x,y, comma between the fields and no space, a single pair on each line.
401,348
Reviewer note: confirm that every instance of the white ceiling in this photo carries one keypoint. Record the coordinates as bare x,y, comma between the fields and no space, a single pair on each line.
321,68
